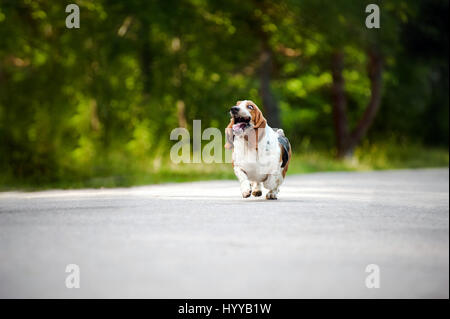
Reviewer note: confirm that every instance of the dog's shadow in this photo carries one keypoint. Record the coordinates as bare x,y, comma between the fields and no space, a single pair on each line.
264,200
237,199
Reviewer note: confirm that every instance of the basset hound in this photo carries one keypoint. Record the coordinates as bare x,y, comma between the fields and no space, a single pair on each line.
261,155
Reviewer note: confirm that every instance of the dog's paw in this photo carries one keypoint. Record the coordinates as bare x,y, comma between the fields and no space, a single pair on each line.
246,189
271,195
246,193
257,193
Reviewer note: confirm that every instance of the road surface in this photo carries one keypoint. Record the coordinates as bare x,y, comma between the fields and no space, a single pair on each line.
202,240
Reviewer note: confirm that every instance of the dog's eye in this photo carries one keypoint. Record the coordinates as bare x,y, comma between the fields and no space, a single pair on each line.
250,107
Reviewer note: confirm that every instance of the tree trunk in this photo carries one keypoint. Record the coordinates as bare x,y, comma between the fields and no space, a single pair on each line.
146,57
269,102
346,142
339,103
181,114
375,67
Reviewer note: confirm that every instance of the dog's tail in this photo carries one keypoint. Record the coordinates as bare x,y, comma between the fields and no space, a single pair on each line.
280,132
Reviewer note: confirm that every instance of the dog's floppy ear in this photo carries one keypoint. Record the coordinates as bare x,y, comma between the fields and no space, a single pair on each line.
258,119
230,125
229,135
259,124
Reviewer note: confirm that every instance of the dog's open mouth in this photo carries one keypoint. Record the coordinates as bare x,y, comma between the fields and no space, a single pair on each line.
240,124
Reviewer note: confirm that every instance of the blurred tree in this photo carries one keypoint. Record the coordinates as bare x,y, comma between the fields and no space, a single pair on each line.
346,140
101,100
349,31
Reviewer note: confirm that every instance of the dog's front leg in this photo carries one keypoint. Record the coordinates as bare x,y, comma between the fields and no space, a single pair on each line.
256,189
246,188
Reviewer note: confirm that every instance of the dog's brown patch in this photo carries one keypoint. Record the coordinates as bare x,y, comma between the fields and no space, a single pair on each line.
257,193
285,168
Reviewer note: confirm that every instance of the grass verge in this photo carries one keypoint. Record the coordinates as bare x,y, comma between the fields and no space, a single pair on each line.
367,157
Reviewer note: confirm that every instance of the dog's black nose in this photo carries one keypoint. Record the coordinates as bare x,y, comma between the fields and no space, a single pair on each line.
234,109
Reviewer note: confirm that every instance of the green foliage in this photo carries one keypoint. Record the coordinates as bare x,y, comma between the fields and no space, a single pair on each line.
94,106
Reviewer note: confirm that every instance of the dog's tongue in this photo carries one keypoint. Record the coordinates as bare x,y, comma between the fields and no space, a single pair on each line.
238,126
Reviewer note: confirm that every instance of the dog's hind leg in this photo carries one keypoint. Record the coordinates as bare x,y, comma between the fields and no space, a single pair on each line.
273,183
246,188
272,194
256,187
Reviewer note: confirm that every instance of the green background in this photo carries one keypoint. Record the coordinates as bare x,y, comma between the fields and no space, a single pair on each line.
94,106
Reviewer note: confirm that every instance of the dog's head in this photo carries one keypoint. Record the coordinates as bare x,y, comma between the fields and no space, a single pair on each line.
245,117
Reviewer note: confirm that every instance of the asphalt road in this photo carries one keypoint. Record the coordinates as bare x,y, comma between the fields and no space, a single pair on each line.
202,240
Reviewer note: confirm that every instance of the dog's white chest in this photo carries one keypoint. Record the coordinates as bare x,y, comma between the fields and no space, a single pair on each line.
261,162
